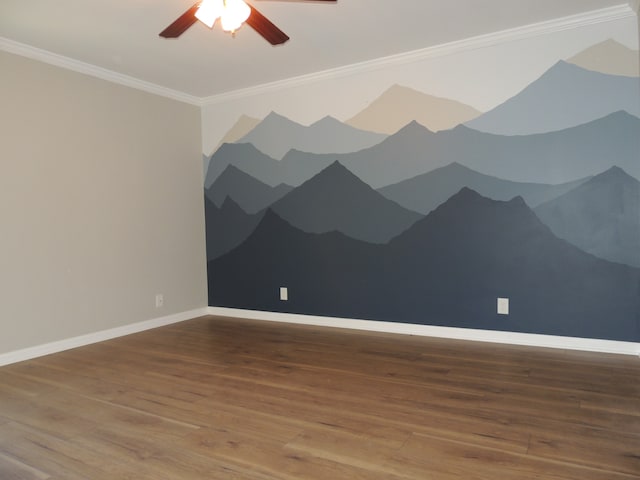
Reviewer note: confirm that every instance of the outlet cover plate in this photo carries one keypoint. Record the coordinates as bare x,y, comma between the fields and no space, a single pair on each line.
503,306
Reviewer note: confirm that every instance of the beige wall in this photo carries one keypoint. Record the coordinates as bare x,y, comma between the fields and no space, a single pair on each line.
100,205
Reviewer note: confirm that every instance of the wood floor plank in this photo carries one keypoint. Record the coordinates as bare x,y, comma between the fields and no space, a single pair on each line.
48,378
478,462
322,419
352,412
12,469
611,403
50,416
272,458
51,454
239,399
355,450
181,462
595,448
20,385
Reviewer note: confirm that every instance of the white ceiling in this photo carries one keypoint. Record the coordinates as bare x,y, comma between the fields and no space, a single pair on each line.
122,35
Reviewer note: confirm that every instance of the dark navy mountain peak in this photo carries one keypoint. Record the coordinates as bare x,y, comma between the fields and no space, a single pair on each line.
469,218
270,222
336,199
226,226
475,203
616,174
447,269
246,157
229,205
251,194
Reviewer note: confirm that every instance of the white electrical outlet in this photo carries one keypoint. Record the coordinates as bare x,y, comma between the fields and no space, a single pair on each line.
284,293
159,300
503,306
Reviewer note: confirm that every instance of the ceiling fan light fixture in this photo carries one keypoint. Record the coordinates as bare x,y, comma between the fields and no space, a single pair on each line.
235,13
232,14
209,11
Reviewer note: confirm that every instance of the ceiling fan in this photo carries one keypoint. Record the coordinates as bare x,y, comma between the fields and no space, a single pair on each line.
232,14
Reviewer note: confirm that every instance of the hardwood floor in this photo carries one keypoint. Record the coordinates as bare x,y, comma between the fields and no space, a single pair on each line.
216,398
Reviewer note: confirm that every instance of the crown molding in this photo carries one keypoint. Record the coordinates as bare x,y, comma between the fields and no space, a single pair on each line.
528,31
51,58
625,10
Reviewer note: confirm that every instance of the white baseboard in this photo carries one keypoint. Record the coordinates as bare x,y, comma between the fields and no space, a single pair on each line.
512,338
82,340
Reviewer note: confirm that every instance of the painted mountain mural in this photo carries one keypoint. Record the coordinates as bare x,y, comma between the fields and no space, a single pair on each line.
536,200
400,105
609,57
337,200
447,269
601,216
565,96
227,226
554,157
425,192
246,158
250,194
276,135
243,125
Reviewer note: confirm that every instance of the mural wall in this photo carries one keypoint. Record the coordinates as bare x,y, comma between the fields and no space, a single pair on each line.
423,209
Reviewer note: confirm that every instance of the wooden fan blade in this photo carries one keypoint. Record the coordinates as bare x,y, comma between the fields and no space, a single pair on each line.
266,28
181,24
